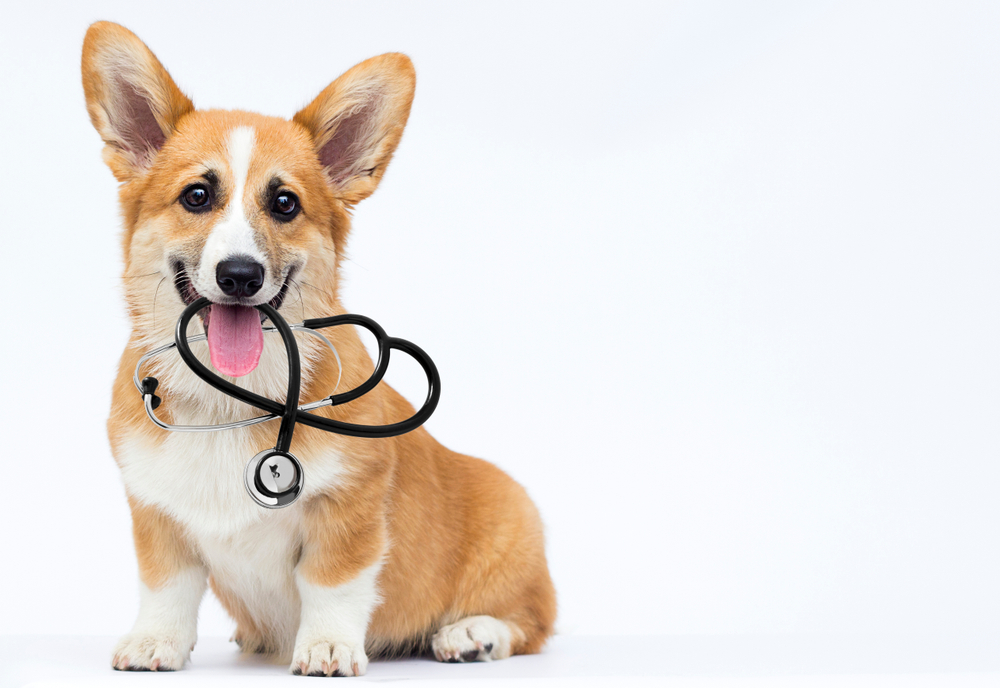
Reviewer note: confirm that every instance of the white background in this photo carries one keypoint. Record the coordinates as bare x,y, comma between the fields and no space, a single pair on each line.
716,282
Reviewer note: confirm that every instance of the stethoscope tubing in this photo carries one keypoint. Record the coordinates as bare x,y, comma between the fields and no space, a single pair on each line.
289,411
150,403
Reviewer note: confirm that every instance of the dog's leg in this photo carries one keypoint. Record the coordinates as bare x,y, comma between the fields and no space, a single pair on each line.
172,583
337,581
474,638
166,630
331,638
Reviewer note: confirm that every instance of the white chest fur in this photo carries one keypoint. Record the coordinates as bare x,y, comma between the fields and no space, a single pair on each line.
196,478
257,566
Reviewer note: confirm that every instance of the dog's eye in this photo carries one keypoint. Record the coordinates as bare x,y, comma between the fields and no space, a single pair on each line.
285,206
196,198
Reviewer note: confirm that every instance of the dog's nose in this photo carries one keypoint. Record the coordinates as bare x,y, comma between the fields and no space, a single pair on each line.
239,277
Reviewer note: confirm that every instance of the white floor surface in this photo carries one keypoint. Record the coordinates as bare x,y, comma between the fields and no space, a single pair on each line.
681,661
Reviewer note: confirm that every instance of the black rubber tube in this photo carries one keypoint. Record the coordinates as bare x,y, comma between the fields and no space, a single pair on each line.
385,345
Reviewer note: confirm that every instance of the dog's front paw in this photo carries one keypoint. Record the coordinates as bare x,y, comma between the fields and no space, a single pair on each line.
148,652
329,658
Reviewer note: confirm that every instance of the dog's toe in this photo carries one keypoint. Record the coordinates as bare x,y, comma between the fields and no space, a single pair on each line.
150,652
325,658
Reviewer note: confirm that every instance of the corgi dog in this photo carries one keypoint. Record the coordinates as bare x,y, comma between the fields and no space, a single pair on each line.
396,546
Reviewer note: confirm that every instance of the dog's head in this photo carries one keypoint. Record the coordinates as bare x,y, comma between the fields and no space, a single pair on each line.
237,207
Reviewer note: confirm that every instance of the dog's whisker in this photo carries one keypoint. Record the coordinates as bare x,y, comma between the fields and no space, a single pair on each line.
302,304
156,293
351,260
322,291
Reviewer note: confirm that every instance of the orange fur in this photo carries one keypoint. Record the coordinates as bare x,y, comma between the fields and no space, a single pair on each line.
459,537
160,545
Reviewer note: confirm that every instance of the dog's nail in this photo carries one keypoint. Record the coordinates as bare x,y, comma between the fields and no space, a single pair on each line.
155,665
303,667
326,668
354,668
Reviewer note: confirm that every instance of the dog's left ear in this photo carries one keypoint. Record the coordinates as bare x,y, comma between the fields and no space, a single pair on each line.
357,121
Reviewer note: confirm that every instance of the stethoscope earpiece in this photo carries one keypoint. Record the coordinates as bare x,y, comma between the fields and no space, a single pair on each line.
274,478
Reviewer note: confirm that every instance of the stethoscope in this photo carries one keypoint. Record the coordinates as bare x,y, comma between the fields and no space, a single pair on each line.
274,477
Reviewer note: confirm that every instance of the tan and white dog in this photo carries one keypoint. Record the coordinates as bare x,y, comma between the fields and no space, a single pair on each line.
397,545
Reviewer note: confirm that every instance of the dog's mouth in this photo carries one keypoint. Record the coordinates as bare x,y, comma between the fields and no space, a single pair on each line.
235,333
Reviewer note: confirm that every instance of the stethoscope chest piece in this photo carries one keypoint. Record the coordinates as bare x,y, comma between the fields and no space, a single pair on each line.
274,478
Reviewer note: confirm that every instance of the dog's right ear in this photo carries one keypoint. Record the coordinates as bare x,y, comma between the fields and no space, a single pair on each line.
132,101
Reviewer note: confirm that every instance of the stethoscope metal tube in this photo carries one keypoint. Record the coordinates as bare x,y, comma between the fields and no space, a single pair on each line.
274,478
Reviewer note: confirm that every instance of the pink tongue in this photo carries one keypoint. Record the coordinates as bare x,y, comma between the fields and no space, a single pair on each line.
235,339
